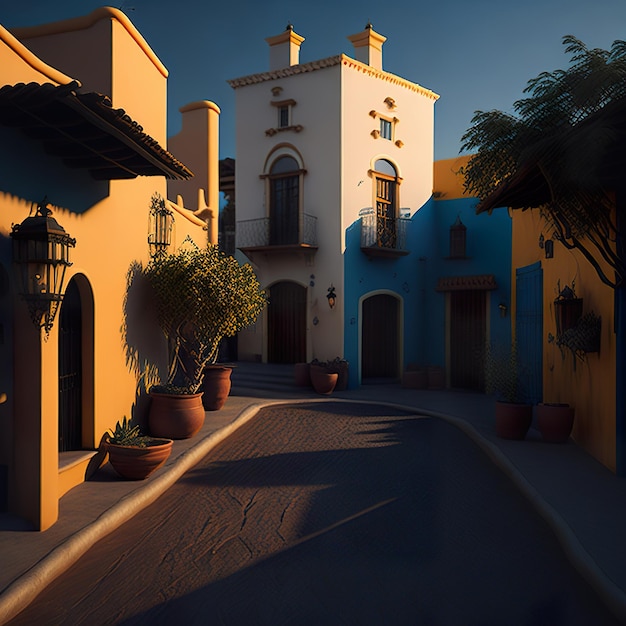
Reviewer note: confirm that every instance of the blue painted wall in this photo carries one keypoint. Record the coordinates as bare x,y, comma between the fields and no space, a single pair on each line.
414,277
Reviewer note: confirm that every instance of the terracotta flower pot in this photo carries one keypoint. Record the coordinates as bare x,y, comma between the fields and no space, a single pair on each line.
216,387
302,374
175,416
341,368
513,420
322,380
555,421
436,377
415,379
135,463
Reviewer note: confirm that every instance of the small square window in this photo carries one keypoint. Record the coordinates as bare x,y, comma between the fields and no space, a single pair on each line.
385,129
283,116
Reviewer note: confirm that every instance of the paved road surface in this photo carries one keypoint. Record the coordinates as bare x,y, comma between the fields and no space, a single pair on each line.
330,514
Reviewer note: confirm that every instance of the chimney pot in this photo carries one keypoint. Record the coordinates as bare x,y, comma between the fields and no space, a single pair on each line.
285,48
368,47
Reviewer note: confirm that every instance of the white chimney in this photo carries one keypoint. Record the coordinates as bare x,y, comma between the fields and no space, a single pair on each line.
285,49
368,47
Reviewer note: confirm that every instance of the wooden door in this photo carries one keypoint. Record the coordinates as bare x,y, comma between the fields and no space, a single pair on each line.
468,331
70,370
286,323
284,211
380,337
385,213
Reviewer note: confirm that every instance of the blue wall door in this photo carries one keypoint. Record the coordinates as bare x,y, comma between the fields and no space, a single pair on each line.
529,329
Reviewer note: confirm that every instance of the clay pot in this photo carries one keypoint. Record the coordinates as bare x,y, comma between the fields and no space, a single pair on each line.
322,380
513,420
436,377
415,379
216,387
302,374
555,421
341,368
135,463
175,416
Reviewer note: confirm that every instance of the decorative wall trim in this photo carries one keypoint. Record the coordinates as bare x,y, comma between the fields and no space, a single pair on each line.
342,59
484,282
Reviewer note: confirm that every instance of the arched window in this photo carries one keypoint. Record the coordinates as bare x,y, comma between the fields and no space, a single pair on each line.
284,201
386,190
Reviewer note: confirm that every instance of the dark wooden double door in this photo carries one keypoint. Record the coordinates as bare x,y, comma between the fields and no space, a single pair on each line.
468,334
286,323
380,336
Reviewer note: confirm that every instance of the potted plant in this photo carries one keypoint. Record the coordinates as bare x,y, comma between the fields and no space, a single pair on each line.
502,379
197,297
323,379
554,421
133,455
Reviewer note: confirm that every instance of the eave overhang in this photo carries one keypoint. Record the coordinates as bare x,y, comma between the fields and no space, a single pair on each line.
529,187
86,132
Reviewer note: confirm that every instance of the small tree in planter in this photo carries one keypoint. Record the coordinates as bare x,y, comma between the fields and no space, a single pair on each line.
502,379
198,297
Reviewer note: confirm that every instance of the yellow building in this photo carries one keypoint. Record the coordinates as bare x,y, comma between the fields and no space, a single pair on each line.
581,355
83,126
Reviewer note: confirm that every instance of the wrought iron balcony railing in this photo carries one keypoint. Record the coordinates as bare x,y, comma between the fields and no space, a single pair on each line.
383,236
267,232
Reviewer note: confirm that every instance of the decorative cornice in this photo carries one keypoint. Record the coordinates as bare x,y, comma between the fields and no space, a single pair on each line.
342,59
292,70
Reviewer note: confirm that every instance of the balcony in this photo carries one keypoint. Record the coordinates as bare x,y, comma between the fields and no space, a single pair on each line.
269,235
383,236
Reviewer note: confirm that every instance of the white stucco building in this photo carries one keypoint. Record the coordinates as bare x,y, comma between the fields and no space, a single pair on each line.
325,149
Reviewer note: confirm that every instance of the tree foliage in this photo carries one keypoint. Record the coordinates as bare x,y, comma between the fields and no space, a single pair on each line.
559,133
198,297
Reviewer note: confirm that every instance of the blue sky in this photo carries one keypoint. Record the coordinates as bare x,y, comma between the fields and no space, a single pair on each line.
476,55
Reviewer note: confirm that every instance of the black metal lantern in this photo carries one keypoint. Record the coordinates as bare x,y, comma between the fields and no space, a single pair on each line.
332,297
160,229
41,253
458,238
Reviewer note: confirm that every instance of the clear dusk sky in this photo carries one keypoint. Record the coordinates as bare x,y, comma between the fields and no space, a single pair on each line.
477,55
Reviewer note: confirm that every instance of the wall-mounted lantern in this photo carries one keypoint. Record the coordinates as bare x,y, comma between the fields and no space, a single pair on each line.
503,309
332,297
458,239
41,252
160,228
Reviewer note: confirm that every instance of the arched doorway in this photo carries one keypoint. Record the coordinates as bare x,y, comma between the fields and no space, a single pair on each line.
286,323
76,365
380,338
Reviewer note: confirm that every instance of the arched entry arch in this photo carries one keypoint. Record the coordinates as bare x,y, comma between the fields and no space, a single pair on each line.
76,368
286,323
381,315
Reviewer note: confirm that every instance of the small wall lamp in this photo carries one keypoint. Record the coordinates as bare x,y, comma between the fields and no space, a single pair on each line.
503,309
547,245
332,296
41,252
